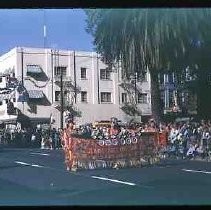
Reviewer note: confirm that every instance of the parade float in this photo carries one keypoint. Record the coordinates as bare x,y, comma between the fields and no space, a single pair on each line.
128,148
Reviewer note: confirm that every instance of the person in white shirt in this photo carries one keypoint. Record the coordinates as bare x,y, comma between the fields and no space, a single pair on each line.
173,134
190,151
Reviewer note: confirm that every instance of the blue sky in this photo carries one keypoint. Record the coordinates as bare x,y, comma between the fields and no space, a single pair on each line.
24,27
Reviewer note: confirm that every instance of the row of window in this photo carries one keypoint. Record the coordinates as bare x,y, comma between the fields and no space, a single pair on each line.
105,74
106,97
141,98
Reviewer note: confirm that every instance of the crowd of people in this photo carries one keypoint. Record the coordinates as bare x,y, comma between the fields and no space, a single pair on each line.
31,137
187,139
184,139
190,140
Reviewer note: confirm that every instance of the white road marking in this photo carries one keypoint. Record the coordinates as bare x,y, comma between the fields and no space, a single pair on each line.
22,163
113,180
37,153
34,165
197,171
95,177
28,164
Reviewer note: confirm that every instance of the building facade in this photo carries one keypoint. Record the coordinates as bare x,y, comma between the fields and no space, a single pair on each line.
32,78
178,93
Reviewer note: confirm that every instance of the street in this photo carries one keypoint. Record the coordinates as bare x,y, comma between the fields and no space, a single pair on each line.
38,177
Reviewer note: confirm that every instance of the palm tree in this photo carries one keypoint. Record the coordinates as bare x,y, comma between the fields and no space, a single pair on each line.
157,39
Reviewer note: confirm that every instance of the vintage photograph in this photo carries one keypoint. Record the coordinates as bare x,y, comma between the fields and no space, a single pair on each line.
105,106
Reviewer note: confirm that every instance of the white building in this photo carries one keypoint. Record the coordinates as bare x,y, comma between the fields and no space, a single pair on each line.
88,84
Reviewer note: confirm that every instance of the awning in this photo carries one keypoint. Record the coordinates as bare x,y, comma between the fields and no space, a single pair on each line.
34,69
35,94
8,119
41,120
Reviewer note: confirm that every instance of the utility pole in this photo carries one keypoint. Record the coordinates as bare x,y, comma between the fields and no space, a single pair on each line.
22,80
62,94
98,82
75,83
52,75
62,100
136,77
22,77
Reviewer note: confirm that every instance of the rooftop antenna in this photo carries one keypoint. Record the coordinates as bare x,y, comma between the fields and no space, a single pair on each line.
44,29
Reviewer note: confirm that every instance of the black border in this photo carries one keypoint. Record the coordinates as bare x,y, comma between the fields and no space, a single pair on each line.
62,4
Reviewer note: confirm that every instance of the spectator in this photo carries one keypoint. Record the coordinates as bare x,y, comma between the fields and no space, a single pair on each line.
190,152
53,138
33,139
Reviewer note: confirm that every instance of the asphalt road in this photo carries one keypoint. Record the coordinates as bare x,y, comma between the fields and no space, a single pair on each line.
34,177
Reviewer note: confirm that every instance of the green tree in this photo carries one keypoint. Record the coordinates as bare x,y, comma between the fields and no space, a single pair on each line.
157,39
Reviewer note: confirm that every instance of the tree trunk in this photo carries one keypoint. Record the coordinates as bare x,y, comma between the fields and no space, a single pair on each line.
155,97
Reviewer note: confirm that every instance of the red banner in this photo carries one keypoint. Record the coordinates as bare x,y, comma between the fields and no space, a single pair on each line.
92,153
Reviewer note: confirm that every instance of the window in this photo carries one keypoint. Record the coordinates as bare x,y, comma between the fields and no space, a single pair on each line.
83,96
105,97
0,79
83,73
171,98
124,97
33,69
105,74
162,95
60,69
1,103
57,95
142,98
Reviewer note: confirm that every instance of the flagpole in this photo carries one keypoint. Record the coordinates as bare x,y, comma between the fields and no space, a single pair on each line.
44,29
